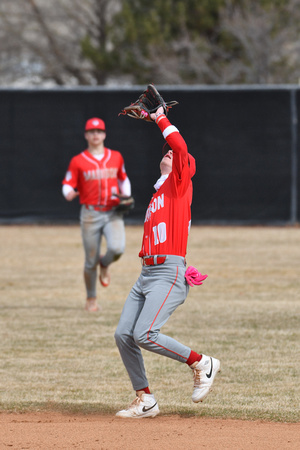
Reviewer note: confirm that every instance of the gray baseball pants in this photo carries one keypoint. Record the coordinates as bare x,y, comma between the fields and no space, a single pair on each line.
158,291
94,225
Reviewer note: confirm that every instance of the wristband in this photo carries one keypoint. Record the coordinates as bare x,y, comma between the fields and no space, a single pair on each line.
158,117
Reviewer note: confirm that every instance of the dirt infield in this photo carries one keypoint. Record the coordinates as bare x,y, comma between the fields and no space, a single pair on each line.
56,431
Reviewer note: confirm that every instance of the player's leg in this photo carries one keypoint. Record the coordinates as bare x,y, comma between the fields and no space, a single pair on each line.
114,233
169,291
90,232
144,405
166,289
130,352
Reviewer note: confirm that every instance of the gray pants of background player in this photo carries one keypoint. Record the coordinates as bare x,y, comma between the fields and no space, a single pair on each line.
94,225
157,293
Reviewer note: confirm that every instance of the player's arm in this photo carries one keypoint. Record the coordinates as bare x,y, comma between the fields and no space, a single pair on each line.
174,139
70,182
125,187
123,180
69,193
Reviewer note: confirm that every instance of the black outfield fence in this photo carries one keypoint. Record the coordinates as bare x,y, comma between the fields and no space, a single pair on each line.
245,140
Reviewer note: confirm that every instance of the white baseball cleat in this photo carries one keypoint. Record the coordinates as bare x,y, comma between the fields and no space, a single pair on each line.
204,374
143,405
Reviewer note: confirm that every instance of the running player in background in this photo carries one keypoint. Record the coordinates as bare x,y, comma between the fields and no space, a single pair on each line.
96,175
162,285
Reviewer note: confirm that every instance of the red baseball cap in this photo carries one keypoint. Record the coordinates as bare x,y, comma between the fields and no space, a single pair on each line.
95,124
192,162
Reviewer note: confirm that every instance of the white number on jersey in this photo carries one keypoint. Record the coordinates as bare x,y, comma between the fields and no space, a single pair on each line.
160,233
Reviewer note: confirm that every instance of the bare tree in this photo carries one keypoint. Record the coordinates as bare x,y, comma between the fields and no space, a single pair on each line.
41,40
264,41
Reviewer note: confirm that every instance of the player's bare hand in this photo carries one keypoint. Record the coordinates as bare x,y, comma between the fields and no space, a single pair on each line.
71,195
157,113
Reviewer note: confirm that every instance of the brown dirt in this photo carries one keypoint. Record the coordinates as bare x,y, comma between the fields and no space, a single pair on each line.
60,431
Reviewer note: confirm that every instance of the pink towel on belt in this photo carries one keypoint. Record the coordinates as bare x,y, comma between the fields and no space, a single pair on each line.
193,277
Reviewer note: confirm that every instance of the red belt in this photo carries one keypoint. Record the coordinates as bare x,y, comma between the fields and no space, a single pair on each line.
153,260
98,208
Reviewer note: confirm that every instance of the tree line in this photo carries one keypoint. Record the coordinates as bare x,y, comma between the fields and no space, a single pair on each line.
107,42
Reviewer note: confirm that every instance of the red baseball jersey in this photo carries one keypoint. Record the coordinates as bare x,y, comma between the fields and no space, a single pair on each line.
96,181
168,217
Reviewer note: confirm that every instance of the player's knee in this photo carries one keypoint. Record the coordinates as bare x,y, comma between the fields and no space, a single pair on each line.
139,339
120,337
91,262
144,339
88,266
117,255
118,249
113,254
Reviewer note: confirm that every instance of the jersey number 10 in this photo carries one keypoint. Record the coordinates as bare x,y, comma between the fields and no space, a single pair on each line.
160,233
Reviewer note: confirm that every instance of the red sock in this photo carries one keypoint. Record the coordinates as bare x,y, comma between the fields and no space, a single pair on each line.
193,358
146,390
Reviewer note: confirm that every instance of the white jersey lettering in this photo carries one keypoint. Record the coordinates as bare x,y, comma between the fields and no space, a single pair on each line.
155,205
99,174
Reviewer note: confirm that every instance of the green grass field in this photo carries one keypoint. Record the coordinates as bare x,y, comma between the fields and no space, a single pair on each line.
55,356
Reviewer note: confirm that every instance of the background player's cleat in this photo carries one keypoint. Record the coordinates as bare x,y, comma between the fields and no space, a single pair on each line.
204,374
144,405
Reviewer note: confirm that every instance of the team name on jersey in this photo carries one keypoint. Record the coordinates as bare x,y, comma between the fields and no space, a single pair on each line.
155,205
99,174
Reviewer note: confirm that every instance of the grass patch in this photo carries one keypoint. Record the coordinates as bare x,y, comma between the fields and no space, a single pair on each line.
55,356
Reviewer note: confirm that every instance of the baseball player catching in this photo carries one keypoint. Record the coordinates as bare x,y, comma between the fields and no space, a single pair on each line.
164,280
98,177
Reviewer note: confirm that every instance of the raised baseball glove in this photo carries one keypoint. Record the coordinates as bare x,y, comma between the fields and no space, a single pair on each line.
147,103
125,205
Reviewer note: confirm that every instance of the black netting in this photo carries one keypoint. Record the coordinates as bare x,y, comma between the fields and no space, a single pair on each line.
241,139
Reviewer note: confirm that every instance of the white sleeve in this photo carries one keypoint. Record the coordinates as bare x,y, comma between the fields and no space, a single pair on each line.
66,189
125,187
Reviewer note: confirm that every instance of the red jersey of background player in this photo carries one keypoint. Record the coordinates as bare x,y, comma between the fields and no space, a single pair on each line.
168,217
96,180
